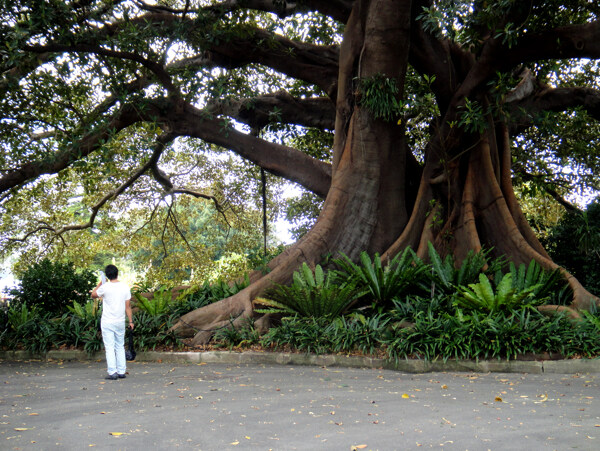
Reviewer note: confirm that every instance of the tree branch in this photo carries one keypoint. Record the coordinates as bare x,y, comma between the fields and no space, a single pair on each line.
156,68
572,41
54,163
280,160
336,9
560,99
98,205
316,64
551,192
279,107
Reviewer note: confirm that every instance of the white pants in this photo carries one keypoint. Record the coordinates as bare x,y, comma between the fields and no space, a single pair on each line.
113,335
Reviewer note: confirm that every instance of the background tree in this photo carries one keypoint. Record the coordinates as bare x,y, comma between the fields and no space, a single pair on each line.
432,103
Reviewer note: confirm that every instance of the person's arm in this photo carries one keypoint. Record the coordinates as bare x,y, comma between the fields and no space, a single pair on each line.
129,313
95,291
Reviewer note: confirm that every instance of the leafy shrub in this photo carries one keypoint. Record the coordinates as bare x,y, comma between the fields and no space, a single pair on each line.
313,295
574,243
158,304
198,296
19,315
486,336
356,332
237,337
29,328
444,276
382,284
407,308
308,334
88,311
52,286
545,285
153,330
482,297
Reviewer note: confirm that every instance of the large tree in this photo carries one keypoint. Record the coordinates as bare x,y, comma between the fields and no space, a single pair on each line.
435,106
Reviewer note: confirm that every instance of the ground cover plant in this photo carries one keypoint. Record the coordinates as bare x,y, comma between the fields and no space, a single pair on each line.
405,308
36,330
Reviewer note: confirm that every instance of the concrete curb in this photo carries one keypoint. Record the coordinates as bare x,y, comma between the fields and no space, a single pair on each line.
571,366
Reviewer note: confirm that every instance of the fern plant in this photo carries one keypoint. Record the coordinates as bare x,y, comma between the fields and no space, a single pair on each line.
159,304
482,297
88,311
20,315
382,284
547,284
445,276
311,294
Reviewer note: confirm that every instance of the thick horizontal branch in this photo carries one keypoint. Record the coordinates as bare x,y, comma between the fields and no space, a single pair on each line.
553,99
180,120
311,63
279,107
336,9
283,161
316,64
572,41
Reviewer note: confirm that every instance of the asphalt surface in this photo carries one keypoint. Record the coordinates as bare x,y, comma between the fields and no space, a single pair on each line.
69,406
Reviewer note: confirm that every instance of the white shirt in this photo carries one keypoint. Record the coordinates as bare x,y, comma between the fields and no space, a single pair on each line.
114,295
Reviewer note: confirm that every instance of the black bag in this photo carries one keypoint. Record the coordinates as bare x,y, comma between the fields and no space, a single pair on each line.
130,351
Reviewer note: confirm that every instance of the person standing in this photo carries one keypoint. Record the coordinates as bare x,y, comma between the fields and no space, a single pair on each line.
116,303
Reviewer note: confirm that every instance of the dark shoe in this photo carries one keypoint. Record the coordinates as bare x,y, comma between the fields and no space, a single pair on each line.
112,377
121,376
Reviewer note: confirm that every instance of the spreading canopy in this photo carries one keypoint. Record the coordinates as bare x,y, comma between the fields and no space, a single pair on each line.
409,119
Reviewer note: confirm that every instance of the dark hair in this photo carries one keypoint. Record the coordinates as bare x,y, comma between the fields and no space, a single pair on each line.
111,272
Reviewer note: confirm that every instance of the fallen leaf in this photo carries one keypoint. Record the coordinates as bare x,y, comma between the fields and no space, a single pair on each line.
354,448
405,396
498,399
235,443
22,429
116,434
444,386
32,414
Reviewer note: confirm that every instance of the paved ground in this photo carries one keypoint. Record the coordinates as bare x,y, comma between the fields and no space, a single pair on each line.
69,406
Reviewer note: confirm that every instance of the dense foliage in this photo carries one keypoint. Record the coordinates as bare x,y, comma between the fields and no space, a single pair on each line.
416,321
575,243
53,286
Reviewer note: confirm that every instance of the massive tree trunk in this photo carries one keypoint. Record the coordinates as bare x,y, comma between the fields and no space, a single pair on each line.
365,208
463,201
